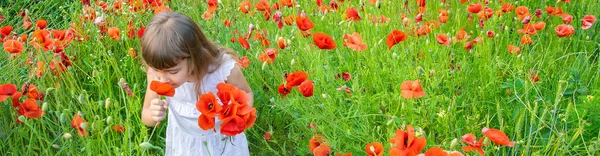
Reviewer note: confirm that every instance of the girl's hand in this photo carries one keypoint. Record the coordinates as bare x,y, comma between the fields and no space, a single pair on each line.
158,109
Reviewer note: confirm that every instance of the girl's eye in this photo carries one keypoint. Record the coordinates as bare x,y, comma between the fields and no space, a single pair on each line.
173,72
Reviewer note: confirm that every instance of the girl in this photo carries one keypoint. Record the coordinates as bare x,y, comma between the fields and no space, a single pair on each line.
176,52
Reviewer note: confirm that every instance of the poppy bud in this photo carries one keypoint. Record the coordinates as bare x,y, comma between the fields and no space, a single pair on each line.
324,95
264,66
272,100
146,145
107,103
108,119
67,136
389,122
83,125
22,119
453,143
80,98
45,106
62,117
293,62
55,146
394,55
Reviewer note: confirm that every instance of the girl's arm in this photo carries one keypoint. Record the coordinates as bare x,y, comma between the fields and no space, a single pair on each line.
146,113
236,78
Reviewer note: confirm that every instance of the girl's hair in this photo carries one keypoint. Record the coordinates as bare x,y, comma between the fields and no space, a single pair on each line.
172,37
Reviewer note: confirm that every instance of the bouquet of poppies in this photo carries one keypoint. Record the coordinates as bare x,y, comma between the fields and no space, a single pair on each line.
235,113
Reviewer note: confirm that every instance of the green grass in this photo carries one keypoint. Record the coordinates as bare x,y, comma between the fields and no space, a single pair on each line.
559,115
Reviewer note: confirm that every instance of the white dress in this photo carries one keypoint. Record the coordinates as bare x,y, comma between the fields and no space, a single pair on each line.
184,136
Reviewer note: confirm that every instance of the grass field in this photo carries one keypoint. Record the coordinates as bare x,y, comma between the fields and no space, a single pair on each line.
545,98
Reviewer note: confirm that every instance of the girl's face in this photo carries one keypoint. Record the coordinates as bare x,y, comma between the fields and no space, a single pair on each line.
174,76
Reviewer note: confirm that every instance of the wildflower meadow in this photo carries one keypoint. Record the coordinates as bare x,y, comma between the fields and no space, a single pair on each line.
329,77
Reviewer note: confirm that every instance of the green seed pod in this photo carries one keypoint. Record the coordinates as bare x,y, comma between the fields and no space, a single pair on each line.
80,98
62,117
146,145
22,119
45,106
107,103
453,143
67,136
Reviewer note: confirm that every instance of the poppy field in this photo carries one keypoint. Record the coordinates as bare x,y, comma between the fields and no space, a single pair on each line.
329,77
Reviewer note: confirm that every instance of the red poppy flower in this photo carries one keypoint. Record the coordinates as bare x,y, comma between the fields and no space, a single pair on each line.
118,128
475,8
243,61
140,32
114,33
315,141
539,25
443,39
436,151
6,91
323,41
587,21
267,136
262,5
306,88
345,75
412,89
250,117
208,105
443,19
304,23
322,150
513,49
283,90
77,124
497,136
32,92
245,6
13,46
233,126
470,139
374,149
490,34
228,93
212,5
395,37
268,55
507,7
295,78
354,42
244,42
27,25
207,15
461,35
5,31
281,43
164,89
352,14
564,30
534,78
567,18
205,122
41,24
525,39
406,143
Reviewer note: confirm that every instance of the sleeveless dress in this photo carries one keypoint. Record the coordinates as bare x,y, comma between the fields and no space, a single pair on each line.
184,136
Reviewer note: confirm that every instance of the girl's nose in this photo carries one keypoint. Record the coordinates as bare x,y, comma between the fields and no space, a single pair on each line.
161,79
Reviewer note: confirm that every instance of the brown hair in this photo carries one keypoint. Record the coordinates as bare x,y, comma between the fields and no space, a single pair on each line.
171,37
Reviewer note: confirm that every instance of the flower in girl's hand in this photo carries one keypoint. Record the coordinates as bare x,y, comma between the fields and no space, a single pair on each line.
163,89
209,107
235,113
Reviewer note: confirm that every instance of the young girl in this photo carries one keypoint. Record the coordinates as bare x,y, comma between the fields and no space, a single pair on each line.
176,52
